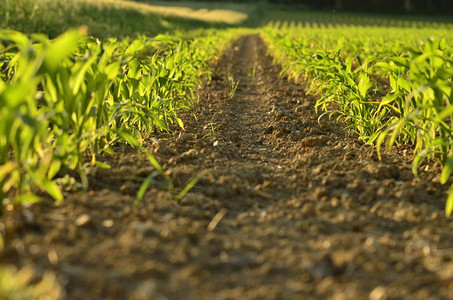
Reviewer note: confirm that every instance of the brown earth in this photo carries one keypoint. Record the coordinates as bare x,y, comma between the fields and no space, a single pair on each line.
292,208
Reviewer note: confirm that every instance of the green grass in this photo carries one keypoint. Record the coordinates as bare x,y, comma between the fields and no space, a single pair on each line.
104,18
224,12
245,8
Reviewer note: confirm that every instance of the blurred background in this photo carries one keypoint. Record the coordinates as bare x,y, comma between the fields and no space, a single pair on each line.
387,6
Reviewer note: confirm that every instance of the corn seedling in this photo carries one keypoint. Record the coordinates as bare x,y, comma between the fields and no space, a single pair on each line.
66,100
211,133
253,73
169,183
233,86
345,71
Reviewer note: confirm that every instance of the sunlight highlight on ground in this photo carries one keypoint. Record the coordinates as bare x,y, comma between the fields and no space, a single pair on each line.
217,15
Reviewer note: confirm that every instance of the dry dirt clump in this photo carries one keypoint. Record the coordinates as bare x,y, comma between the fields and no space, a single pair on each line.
292,208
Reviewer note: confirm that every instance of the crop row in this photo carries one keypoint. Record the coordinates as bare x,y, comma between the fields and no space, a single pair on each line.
64,101
391,85
326,20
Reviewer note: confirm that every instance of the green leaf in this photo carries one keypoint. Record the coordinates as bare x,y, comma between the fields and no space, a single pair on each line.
389,98
159,168
15,95
108,150
15,36
28,198
129,138
144,186
102,165
54,168
6,169
416,164
419,60
446,170
446,112
400,61
134,47
112,70
157,120
62,47
387,67
373,138
405,84
52,189
154,162
190,185
449,204
180,123
379,142
393,82
81,74
364,84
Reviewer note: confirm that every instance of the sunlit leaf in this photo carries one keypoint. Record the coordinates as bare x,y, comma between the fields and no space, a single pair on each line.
52,189
62,47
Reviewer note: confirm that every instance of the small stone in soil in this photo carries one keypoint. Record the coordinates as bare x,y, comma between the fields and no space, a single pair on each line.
379,293
108,223
83,220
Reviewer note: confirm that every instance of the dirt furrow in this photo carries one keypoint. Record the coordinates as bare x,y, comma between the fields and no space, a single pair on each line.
292,208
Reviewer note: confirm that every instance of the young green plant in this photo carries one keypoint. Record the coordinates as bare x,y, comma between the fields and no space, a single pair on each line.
233,86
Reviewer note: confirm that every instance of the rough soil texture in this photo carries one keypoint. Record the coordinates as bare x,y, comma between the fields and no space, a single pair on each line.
292,208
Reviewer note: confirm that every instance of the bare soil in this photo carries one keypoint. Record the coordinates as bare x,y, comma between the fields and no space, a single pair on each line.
292,208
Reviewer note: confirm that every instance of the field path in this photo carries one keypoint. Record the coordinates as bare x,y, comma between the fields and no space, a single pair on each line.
292,208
